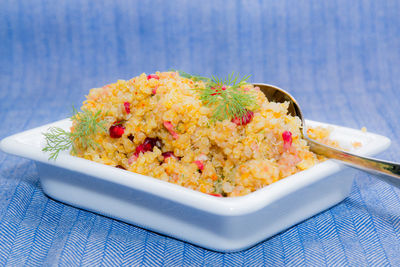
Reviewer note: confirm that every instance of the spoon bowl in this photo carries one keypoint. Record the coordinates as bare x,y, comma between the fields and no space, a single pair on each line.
384,170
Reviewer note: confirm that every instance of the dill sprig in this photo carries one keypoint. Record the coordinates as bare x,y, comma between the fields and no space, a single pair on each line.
226,97
192,77
86,124
57,140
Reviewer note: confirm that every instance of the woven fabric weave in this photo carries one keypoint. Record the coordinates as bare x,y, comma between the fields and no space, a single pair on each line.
340,59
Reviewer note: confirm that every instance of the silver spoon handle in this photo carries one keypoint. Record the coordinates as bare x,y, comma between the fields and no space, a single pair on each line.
384,170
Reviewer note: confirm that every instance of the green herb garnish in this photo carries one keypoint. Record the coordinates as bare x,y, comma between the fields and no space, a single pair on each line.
226,97
57,140
87,123
192,77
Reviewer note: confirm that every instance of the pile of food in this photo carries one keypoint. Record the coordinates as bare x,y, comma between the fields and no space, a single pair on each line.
221,137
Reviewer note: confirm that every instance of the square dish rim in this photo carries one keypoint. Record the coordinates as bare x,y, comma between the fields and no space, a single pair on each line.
234,206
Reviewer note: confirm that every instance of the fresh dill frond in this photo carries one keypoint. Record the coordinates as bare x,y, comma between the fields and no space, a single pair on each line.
226,97
86,125
57,140
192,77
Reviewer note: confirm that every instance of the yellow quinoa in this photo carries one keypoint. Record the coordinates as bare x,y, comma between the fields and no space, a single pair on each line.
215,157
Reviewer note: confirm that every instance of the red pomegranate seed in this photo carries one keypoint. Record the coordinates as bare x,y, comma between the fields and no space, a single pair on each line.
245,119
153,142
144,147
153,76
199,164
147,145
287,140
215,195
139,149
169,154
127,106
218,90
116,130
154,91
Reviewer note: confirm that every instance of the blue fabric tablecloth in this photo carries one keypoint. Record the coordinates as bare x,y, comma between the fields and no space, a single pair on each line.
340,59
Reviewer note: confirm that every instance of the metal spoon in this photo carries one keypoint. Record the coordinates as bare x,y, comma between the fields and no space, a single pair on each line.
384,170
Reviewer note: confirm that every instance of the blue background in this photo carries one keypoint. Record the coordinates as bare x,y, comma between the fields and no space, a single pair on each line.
340,59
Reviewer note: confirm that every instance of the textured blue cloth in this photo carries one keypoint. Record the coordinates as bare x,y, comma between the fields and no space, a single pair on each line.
340,59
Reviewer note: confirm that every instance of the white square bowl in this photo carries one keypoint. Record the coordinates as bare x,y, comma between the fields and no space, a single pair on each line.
221,224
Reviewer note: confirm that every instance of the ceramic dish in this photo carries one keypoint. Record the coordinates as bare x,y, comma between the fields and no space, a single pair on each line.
221,224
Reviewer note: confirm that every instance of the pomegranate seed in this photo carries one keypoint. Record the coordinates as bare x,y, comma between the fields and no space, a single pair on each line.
199,164
287,140
170,129
139,149
127,106
218,90
169,154
153,142
153,76
215,195
245,119
147,145
154,91
116,130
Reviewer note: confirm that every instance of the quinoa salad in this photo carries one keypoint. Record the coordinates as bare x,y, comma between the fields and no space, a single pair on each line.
181,129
